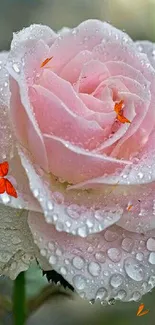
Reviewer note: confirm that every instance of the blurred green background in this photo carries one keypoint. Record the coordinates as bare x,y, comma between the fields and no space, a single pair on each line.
137,18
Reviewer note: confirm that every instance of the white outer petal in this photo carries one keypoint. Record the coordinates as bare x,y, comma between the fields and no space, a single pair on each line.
17,248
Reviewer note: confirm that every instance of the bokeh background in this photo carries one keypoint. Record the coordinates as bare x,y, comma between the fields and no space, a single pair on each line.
137,18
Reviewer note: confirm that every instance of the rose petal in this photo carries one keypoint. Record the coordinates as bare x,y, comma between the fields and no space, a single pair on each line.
86,36
72,213
72,69
119,68
64,91
129,112
141,171
74,164
6,136
48,107
30,48
112,264
97,105
112,50
93,73
22,118
148,48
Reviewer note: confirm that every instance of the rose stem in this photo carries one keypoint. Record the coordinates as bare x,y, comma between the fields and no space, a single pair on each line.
19,312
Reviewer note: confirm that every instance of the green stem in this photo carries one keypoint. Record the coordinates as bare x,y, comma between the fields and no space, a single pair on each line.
19,313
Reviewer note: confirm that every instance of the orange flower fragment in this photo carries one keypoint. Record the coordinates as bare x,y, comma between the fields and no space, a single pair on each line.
129,207
122,119
140,311
118,108
5,184
46,61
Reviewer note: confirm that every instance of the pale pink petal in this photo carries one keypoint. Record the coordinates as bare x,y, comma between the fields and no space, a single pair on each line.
6,135
129,113
108,51
141,217
27,47
133,86
30,47
119,68
72,69
97,105
34,32
70,212
50,111
8,150
134,138
112,264
75,164
64,91
92,74
22,118
140,172
84,37
148,48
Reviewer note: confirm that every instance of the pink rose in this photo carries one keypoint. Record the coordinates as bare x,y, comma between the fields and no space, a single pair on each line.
81,104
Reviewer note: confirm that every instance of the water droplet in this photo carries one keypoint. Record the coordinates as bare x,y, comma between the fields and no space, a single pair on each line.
13,266
99,215
139,256
15,240
53,260
136,296
50,205
140,175
127,244
83,231
68,224
111,301
5,257
79,282
89,223
5,198
55,217
90,249
66,261
63,270
114,254
151,244
116,280
94,268
101,293
58,252
59,226
110,235
100,257
16,67
152,280
78,262
51,246
121,294
36,192
58,197
73,211
152,258
134,269
43,252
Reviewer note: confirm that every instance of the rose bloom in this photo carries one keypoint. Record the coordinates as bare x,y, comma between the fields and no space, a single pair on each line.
77,126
